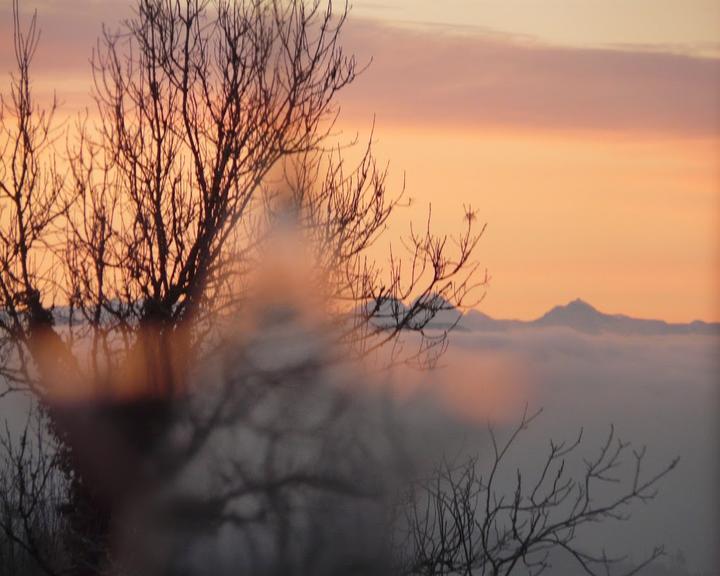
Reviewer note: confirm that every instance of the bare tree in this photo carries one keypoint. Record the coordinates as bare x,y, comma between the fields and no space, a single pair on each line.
32,200
463,520
215,124
31,491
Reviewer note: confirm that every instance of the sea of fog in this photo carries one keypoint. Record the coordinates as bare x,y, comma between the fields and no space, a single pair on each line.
658,391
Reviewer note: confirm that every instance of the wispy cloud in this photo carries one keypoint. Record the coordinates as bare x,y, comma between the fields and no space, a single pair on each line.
456,76
432,75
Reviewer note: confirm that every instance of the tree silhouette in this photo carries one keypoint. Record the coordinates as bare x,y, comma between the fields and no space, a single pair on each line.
459,521
214,124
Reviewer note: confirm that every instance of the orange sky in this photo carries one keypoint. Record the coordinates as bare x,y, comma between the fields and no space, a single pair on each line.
628,224
597,169
588,139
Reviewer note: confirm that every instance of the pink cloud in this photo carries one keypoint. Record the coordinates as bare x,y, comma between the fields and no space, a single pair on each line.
68,32
431,75
435,75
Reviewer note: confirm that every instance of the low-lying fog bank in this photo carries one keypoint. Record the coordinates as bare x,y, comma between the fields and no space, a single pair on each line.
660,391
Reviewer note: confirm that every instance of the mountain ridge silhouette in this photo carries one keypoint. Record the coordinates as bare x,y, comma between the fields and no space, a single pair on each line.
581,316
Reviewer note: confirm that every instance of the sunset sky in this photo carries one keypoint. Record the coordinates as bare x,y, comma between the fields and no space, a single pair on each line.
586,134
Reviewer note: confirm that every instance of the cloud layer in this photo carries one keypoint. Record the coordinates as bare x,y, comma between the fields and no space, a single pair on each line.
432,75
448,76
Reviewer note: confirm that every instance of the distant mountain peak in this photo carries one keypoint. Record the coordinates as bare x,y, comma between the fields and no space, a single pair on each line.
576,314
581,316
577,306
